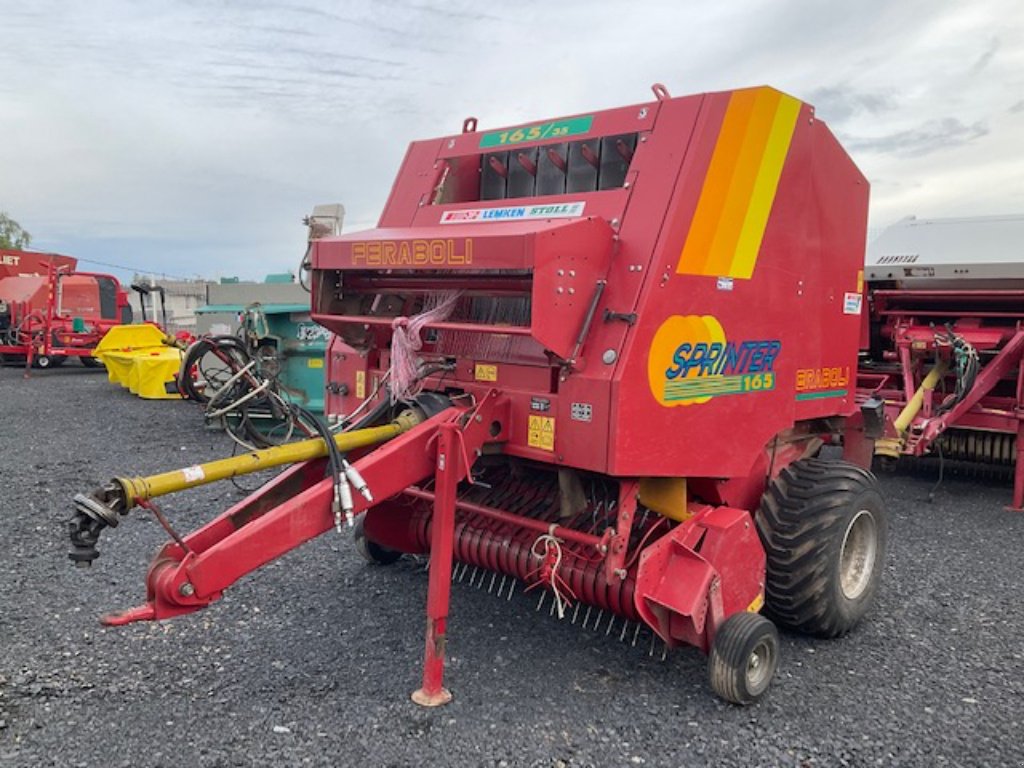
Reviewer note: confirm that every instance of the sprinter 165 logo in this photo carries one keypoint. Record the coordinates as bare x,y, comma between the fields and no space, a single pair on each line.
691,361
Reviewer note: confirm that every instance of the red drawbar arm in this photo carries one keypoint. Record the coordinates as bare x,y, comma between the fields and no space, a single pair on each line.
292,509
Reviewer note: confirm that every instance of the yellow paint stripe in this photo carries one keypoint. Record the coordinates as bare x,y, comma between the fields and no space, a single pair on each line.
716,182
765,187
740,184
741,189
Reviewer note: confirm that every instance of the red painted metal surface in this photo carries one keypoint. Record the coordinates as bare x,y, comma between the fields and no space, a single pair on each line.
43,310
706,569
906,324
449,471
15,263
683,302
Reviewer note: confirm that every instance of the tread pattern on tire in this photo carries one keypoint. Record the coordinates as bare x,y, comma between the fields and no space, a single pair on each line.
800,522
727,661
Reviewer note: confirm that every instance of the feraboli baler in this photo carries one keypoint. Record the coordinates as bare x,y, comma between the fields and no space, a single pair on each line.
596,358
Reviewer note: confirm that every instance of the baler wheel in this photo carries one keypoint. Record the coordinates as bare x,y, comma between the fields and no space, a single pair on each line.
824,528
45,361
743,658
91,362
370,551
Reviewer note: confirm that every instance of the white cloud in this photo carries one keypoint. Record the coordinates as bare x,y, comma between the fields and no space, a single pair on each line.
191,137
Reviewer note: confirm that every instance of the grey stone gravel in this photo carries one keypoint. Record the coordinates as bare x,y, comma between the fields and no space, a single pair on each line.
311,661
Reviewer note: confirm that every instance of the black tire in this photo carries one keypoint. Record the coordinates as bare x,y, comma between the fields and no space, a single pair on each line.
43,362
91,362
371,552
56,361
824,528
744,657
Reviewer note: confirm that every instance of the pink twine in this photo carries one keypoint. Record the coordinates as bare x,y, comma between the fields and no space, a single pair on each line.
406,342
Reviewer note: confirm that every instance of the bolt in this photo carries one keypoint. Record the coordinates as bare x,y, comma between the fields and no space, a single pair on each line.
572,291
625,185
621,573
642,114
560,272
609,356
572,273
558,289
186,589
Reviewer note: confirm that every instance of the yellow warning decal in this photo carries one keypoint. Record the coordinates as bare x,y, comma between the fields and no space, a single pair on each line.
315,362
485,372
757,605
541,433
860,281
361,384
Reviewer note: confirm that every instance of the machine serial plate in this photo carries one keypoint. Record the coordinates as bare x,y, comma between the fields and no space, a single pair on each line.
581,412
556,129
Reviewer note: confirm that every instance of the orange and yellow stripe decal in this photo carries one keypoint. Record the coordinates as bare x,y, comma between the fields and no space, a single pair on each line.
739,188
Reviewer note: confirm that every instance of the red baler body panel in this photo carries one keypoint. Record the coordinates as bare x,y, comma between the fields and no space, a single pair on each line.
739,225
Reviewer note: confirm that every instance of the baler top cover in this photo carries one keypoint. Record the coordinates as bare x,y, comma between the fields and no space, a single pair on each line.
634,279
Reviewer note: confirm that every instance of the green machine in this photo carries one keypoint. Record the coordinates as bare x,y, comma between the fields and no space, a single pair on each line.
284,341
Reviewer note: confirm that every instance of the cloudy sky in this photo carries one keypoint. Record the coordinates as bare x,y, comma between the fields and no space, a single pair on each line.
190,137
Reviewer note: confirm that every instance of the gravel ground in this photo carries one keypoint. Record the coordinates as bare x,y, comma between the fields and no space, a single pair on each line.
311,661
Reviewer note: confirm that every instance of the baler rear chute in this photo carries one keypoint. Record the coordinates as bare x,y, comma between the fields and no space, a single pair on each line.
599,330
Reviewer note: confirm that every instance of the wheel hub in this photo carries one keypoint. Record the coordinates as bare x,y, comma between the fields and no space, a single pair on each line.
760,667
858,554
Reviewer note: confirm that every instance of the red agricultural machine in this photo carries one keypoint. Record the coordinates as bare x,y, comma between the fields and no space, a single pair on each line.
945,342
589,358
50,312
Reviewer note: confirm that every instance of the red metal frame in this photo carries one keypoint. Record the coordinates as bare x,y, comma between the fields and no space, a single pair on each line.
296,507
54,326
992,321
580,382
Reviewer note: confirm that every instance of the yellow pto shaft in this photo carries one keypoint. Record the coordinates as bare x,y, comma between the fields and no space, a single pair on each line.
892,446
911,409
137,489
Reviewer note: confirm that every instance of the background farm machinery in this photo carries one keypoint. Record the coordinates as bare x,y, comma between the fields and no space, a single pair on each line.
264,382
590,358
50,312
945,342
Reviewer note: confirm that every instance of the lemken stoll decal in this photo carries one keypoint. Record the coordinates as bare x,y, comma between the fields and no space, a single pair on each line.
691,361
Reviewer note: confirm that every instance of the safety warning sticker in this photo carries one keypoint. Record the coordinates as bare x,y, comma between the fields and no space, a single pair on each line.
541,433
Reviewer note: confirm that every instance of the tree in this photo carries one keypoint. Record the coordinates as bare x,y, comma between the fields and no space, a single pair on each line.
11,234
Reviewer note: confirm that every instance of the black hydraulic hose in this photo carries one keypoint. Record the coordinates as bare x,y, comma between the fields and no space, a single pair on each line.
194,355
